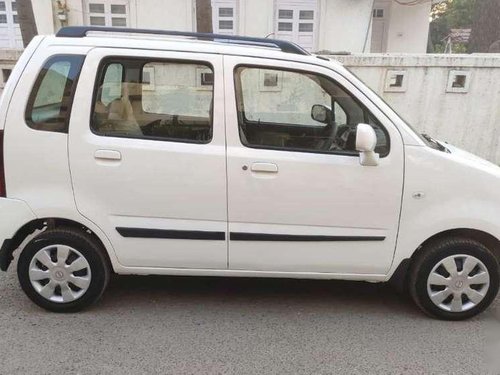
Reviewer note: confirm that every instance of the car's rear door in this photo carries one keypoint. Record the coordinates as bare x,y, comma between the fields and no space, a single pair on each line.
147,156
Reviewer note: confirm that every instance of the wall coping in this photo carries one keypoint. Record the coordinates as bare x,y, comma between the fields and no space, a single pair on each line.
487,60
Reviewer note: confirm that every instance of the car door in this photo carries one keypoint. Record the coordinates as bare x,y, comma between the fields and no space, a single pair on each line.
147,156
298,198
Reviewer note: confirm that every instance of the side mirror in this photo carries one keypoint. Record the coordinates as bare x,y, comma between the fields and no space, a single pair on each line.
366,141
321,113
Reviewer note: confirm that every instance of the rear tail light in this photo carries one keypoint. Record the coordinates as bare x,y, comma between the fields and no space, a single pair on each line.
2,171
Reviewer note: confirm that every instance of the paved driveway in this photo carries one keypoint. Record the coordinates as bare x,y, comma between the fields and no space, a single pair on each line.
240,326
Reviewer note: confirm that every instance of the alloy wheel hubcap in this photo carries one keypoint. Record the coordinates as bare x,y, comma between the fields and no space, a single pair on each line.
458,283
60,273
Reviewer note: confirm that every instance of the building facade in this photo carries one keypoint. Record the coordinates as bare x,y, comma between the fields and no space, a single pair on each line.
329,25
317,25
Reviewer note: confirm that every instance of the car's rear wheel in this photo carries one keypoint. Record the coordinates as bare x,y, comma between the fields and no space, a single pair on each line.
454,278
63,270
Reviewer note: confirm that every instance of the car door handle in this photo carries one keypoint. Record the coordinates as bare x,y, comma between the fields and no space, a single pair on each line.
107,155
265,167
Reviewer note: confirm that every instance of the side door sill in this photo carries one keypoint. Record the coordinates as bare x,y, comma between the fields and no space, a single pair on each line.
248,273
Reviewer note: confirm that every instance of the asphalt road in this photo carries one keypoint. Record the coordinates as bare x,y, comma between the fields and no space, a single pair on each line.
176,325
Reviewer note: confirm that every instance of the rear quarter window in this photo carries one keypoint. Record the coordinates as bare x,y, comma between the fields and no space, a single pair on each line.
50,101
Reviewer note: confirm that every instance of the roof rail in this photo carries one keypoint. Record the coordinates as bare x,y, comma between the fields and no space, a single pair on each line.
283,45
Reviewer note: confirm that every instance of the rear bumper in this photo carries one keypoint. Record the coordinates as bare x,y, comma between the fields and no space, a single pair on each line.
14,214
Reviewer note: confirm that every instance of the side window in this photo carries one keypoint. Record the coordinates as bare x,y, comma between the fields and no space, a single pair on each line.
111,88
158,100
297,111
49,104
339,113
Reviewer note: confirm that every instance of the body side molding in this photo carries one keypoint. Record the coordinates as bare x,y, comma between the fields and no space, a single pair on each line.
237,236
171,234
242,236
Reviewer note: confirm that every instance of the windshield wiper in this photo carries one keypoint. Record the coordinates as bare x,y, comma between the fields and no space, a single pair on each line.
431,140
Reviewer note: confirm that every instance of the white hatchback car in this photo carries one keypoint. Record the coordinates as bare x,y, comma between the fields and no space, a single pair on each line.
156,152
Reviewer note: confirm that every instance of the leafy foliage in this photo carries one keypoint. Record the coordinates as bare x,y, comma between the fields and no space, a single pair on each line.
450,14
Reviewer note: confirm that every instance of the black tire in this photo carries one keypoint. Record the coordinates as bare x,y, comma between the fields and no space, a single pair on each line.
435,252
87,246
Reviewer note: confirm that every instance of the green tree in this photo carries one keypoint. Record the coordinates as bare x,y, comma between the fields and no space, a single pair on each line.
451,14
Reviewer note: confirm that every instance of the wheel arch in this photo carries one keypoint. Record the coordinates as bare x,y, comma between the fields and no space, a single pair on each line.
399,277
28,229
488,240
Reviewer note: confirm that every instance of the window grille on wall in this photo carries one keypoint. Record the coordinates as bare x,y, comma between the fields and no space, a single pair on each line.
107,13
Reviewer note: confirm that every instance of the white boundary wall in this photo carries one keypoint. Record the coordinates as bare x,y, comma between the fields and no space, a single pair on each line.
468,117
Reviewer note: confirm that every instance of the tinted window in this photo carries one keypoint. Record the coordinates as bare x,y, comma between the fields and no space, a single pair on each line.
154,100
275,110
49,105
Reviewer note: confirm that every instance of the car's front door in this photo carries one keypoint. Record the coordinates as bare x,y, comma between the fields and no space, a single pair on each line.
298,198
147,156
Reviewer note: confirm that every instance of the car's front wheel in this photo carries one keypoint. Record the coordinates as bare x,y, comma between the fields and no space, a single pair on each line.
454,278
63,270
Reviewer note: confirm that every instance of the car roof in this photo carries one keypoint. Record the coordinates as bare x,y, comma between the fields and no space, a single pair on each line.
108,39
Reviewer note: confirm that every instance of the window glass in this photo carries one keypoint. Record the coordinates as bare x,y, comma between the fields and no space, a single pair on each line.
285,26
285,14
154,100
118,21
52,87
3,18
305,27
306,14
50,101
339,113
111,89
295,111
225,25
96,8
2,6
118,9
97,21
225,12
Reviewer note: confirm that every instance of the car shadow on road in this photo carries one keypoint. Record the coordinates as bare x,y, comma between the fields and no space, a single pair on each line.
342,296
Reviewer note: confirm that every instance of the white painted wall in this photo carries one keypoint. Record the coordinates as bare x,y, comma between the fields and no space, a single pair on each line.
76,13
256,17
468,120
344,25
164,14
161,14
44,19
408,28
